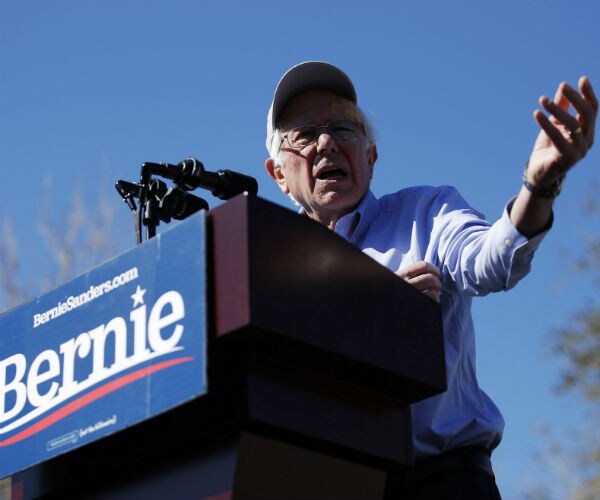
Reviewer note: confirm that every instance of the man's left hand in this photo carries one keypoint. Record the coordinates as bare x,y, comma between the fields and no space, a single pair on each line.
423,276
565,137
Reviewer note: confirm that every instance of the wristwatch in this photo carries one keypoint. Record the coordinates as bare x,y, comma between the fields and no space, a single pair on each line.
549,192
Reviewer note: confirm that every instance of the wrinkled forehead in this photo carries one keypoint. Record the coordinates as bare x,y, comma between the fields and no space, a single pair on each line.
316,107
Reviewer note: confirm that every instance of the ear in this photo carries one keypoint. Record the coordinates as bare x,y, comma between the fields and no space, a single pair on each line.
276,173
372,156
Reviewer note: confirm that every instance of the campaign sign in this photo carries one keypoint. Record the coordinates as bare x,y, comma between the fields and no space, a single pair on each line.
109,349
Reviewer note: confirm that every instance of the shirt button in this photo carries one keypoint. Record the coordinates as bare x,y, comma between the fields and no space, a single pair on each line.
508,242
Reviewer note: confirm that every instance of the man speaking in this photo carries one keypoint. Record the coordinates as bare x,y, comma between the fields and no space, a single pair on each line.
322,153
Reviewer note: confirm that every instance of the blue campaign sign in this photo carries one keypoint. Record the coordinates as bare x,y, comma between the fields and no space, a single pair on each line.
109,349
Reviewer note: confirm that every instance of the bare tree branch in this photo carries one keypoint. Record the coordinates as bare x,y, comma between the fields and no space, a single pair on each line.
77,239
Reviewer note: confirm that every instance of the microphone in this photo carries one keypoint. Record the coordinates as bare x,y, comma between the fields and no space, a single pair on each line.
128,190
167,170
174,202
180,204
190,174
165,203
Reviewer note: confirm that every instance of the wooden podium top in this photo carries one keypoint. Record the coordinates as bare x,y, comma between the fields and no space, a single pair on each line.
291,286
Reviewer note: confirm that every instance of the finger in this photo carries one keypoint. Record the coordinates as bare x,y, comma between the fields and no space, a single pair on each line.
587,91
555,135
577,100
560,98
572,147
419,268
577,129
426,282
586,105
590,97
561,114
586,116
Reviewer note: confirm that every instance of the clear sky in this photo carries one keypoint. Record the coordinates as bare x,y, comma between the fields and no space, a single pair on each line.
91,89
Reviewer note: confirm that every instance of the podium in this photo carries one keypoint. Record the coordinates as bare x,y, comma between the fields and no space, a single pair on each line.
314,354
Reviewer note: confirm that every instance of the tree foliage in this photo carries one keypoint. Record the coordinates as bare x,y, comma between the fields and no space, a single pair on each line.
73,241
13,291
578,347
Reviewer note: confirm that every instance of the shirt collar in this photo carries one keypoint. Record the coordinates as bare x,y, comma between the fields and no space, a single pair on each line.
353,226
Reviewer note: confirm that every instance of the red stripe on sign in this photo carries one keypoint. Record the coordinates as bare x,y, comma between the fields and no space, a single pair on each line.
90,397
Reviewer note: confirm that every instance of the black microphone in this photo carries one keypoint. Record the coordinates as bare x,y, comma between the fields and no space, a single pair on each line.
190,174
174,201
180,204
173,172
166,203
223,184
128,190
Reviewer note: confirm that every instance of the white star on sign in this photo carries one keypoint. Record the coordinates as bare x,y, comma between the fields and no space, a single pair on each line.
138,296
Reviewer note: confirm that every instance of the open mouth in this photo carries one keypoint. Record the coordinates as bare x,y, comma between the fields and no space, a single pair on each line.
333,174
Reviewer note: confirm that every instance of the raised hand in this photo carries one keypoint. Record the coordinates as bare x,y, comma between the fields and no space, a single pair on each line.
565,137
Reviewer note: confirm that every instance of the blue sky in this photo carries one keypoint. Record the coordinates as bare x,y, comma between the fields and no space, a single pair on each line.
89,90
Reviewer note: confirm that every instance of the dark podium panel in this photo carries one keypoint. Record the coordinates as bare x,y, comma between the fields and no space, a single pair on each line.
323,316
315,353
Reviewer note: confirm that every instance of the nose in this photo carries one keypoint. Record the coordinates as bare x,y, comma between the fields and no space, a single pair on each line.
325,141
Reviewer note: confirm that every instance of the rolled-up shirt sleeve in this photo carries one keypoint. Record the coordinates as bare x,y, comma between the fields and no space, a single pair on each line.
477,257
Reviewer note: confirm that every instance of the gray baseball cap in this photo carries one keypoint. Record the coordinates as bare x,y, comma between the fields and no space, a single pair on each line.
307,75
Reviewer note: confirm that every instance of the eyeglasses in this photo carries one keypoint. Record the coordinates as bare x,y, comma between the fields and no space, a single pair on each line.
340,130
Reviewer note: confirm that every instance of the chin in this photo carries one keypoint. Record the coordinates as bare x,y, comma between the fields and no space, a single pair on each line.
339,203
